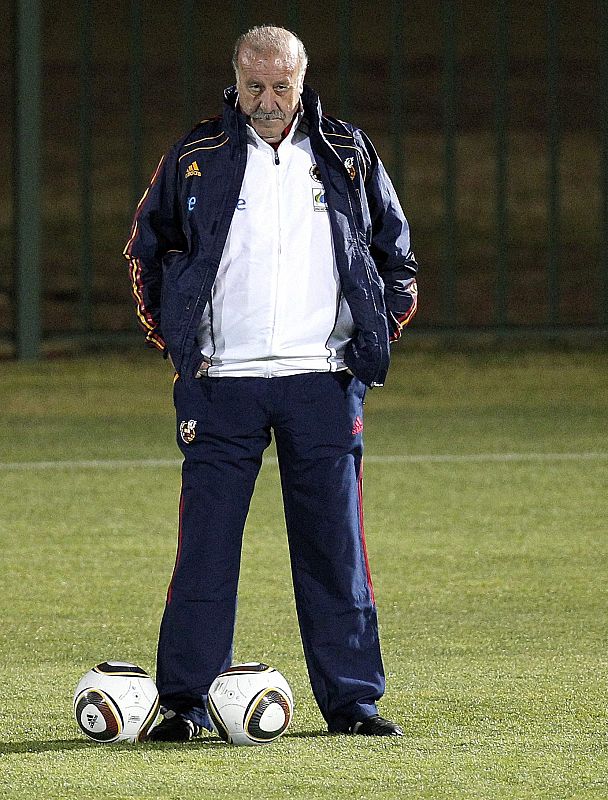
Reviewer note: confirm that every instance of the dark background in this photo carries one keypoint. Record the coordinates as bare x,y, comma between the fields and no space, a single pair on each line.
324,28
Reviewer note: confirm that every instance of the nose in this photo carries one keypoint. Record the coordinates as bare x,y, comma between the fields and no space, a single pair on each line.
267,102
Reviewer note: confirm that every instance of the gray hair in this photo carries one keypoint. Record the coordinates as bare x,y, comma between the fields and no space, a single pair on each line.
270,39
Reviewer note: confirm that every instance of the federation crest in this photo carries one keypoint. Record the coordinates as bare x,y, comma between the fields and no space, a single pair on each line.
187,430
315,173
349,163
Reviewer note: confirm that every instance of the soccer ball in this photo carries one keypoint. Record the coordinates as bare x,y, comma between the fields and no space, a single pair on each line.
116,702
250,704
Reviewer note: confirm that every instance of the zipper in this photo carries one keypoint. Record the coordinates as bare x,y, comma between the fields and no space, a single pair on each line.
278,266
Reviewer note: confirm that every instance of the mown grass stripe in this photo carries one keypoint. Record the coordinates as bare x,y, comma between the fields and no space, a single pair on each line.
438,458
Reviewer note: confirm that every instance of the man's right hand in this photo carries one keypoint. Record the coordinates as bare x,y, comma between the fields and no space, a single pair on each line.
201,372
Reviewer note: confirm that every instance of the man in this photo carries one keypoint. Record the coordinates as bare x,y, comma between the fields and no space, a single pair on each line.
270,260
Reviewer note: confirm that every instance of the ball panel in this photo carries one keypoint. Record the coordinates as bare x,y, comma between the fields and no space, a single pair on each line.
268,716
98,716
249,667
149,721
216,720
120,668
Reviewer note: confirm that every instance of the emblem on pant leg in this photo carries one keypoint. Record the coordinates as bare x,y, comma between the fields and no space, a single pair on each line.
187,430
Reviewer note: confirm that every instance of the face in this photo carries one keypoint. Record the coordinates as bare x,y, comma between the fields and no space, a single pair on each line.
269,86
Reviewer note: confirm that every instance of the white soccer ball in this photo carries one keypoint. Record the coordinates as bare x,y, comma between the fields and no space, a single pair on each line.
250,704
116,702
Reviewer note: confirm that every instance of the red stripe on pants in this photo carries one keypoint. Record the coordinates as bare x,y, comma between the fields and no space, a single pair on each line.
362,528
179,546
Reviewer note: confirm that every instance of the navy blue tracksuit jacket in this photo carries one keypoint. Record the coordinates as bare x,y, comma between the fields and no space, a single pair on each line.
174,255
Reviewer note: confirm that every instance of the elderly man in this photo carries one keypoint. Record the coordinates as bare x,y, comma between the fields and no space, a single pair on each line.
270,260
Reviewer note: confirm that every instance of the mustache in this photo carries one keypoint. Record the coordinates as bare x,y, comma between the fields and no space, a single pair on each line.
267,115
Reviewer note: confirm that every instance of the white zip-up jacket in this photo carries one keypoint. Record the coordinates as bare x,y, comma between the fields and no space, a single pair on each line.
276,307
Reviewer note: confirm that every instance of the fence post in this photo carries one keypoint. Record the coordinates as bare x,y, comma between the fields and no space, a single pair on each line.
448,8
345,60
27,184
187,61
241,17
86,166
398,116
603,107
136,81
553,198
293,17
501,117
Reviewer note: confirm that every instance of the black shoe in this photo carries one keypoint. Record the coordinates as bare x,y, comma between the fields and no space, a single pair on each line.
174,728
376,726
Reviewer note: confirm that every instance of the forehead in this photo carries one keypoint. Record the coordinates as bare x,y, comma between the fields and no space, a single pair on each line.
267,65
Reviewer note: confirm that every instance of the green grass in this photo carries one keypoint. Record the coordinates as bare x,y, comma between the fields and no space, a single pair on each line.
490,578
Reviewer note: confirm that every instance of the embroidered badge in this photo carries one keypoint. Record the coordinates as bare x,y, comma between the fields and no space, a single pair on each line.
319,203
315,174
193,170
187,430
349,163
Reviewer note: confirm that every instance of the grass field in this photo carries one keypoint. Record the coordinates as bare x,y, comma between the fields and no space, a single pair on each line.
487,533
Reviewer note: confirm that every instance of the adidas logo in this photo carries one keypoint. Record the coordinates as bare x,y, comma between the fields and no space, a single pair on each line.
357,426
92,719
193,170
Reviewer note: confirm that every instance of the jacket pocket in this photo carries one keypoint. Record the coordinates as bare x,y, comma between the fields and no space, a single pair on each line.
176,309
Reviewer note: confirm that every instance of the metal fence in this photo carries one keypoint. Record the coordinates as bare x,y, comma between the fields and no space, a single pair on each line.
492,119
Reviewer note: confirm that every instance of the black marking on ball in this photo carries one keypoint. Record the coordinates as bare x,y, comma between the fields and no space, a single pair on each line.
108,710
129,670
142,736
262,702
246,668
218,722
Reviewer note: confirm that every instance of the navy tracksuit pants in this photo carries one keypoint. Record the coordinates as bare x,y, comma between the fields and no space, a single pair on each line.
223,427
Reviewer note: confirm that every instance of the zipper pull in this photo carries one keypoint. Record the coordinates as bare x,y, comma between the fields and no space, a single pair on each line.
276,158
